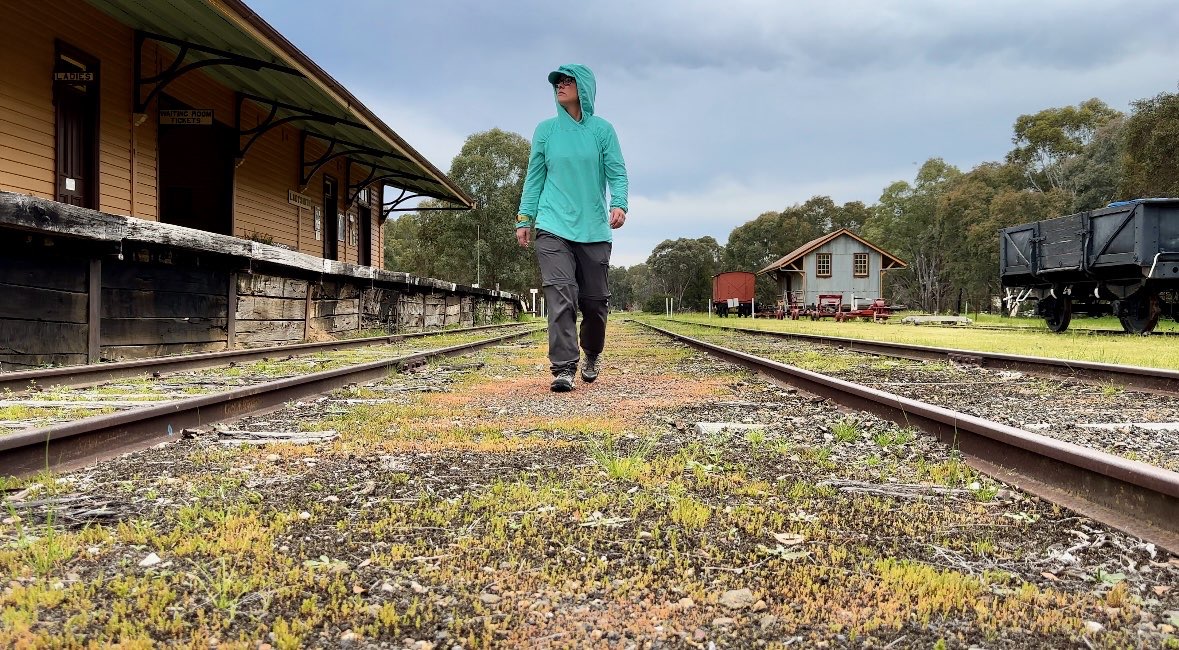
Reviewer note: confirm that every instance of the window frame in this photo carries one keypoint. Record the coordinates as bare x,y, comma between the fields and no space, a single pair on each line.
856,258
818,265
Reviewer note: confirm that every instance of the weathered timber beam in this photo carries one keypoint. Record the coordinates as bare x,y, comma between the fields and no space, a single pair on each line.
32,214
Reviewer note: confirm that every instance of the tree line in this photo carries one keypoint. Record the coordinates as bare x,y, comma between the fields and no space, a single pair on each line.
944,222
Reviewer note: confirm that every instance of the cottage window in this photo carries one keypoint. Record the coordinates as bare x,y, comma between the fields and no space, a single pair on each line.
860,265
823,265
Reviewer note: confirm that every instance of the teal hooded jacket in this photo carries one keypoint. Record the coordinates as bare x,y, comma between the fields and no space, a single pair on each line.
569,167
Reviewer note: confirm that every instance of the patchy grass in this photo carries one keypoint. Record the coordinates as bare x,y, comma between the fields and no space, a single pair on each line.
1034,340
499,514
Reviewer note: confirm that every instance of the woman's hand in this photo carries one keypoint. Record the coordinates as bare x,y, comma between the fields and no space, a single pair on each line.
617,217
523,234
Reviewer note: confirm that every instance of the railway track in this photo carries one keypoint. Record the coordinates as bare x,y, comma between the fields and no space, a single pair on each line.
466,504
69,445
1148,379
1133,496
1078,331
94,373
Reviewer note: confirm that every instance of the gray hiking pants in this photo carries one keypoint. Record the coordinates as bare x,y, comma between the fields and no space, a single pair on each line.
575,278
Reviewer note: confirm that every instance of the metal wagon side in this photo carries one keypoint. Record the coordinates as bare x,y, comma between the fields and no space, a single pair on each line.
1119,258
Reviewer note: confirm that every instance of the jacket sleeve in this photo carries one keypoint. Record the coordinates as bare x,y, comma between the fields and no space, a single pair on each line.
537,172
615,168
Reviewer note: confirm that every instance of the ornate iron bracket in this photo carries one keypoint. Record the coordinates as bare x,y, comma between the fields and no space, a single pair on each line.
337,148
376,174
273,121
155,84
394,205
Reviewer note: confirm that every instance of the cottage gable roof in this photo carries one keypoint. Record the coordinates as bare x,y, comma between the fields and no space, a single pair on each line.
813,244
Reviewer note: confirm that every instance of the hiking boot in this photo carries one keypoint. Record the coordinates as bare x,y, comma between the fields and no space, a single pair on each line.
589,369
563,382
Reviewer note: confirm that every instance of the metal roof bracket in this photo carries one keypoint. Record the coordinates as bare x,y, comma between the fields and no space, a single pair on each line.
155,84
310,167
273,121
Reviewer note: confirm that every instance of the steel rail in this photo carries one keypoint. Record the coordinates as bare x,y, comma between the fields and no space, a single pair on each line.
1138,498
99,372
1156,380
1077,331
75,444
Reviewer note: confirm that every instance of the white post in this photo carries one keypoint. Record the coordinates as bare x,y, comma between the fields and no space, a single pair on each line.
753,307
673,306
533,300
542,313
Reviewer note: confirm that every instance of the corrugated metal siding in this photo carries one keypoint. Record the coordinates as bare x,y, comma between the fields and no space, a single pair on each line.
842,278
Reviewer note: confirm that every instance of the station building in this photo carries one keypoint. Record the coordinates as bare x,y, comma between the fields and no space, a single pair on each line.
143,141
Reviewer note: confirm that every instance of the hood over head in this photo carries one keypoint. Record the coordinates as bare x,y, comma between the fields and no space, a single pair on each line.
587,86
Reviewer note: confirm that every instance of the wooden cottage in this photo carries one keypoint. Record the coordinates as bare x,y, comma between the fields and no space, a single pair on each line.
839,262
177,175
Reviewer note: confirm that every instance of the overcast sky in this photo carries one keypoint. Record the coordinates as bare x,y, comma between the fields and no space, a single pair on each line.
729,109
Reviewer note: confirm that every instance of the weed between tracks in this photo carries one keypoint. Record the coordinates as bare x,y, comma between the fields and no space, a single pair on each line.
498,514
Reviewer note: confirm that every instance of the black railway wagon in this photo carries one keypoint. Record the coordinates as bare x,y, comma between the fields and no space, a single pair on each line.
1118,258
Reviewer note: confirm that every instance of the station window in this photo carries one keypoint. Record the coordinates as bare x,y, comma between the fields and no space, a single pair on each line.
860,265
823,265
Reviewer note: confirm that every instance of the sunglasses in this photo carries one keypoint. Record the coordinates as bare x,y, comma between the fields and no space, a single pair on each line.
565,81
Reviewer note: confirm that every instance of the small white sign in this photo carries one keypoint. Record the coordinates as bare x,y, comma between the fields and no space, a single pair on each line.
733,302
187,117
301,200
71,185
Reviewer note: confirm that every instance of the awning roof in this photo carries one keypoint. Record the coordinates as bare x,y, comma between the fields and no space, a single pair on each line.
799,252
231,26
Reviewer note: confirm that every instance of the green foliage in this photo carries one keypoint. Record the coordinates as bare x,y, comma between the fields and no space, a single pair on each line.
910,222
1045,140
618,464
478,245
845,430
683,268
1151,140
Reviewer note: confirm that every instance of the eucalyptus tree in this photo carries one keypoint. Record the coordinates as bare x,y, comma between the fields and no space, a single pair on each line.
1047,140
1151,143
908,223
473,246
683,269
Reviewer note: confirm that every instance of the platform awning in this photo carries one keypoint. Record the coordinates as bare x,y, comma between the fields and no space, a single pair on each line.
271,69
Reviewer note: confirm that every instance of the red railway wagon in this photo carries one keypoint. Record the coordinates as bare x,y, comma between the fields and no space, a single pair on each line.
732,292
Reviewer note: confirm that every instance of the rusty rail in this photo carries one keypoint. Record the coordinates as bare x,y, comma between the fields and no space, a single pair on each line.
1138,498
100,372
1155,380
74,444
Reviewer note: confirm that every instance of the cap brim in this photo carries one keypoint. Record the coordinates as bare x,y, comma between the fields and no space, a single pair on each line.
554,75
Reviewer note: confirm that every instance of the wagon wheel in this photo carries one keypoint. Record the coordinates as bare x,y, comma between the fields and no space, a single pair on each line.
1057,312
1139,313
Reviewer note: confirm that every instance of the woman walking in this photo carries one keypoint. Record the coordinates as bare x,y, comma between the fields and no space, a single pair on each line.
574,157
